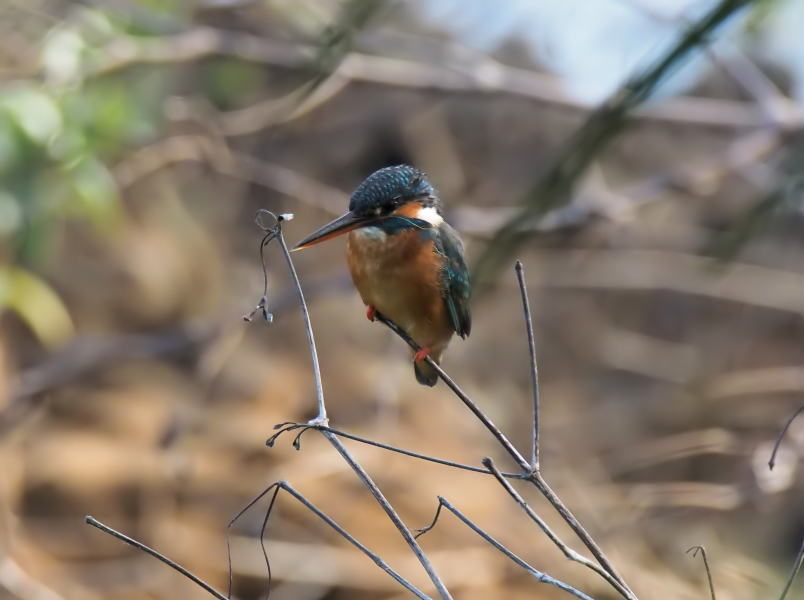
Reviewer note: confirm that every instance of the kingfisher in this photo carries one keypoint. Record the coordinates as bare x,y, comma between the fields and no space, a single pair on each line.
406,262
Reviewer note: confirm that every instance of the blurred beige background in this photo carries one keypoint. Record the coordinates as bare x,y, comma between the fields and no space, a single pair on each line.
137,140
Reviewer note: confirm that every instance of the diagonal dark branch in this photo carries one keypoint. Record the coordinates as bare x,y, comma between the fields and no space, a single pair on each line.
534,369
542,577
566,550
495,431
694,551
780,437
155,554
286,427
333,439
554,187
392,514
794,572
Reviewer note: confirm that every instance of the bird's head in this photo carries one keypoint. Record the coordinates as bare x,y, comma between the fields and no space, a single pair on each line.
400,191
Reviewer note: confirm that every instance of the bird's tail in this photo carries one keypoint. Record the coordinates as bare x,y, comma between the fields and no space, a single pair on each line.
425,374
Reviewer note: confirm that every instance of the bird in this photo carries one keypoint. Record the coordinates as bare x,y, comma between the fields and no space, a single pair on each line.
406,261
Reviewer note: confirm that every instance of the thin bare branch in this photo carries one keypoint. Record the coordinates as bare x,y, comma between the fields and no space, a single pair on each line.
392,514
566,550
542,577
290,426
780,437
537,480
793,573
534,370
321,419
155,554
694,551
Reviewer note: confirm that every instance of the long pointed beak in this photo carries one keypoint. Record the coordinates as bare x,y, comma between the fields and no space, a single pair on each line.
339,226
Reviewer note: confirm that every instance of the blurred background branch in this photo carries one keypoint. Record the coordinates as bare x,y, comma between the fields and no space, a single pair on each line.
598,132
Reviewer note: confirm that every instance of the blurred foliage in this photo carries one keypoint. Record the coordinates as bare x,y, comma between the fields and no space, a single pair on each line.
57,136
59,131
553,189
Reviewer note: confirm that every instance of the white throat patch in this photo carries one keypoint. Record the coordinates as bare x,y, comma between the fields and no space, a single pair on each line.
430,215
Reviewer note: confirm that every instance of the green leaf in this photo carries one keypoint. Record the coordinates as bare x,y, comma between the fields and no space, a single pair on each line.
37,304
35,113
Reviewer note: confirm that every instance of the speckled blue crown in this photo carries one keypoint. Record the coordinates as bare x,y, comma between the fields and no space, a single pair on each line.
391,183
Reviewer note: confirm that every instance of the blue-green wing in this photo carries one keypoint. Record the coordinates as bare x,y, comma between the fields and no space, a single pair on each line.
456,279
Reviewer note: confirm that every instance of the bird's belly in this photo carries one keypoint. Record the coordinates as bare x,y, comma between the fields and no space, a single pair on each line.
400,277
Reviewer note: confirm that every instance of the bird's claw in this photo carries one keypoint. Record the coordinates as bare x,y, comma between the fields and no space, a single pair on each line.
421,355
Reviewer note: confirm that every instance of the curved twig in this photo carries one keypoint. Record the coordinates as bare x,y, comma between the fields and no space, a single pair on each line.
780,437
793,573
694,551
276,488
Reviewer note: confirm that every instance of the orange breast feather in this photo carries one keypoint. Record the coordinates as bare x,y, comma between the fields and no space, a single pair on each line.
401,276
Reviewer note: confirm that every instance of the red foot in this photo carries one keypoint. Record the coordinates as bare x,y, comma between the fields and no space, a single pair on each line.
421,355
371,313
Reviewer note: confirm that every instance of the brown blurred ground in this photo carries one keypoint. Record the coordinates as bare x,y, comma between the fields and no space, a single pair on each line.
663,378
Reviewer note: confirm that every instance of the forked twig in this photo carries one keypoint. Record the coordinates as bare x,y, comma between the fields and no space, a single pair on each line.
284,485
694,551
542,577
534,476
131,542
537,480
566,550
794,572
780,437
